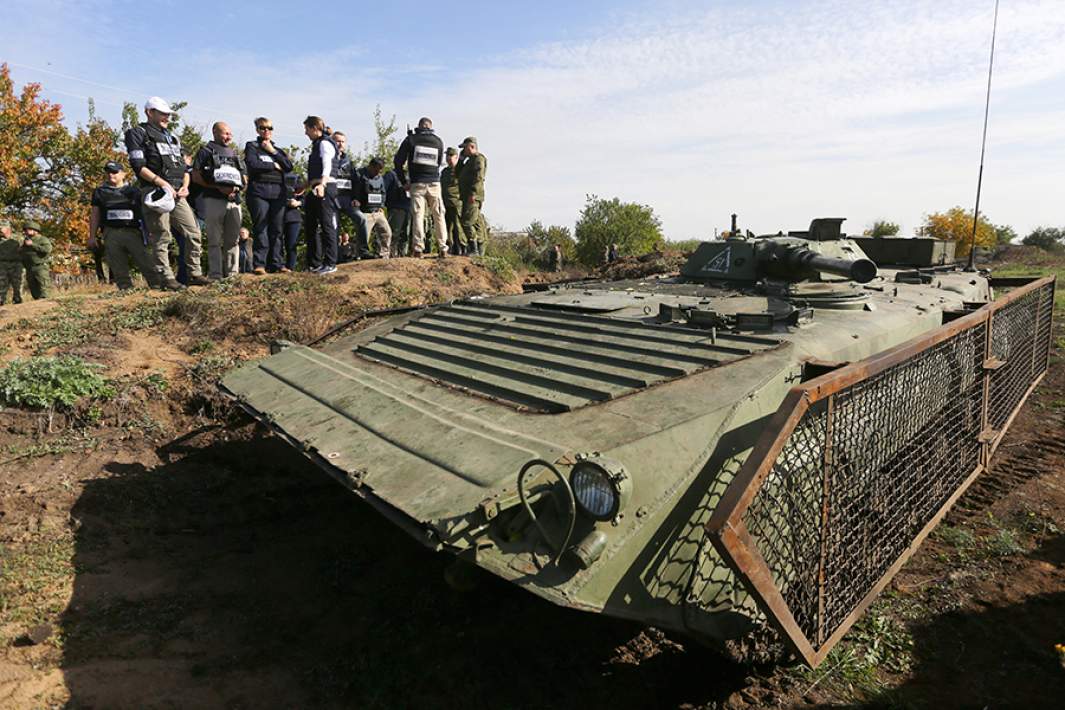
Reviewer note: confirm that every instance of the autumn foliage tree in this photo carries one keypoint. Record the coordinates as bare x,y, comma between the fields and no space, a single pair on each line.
48,173
32,139
956,225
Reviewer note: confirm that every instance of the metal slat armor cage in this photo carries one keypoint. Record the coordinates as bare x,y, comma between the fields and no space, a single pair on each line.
858,466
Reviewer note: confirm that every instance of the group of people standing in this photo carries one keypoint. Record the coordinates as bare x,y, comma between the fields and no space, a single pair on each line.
27,254
179,197
184,196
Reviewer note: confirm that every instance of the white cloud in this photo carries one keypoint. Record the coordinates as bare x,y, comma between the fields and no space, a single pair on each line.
861,110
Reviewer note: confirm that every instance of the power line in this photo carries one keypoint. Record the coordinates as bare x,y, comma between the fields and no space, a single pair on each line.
200,112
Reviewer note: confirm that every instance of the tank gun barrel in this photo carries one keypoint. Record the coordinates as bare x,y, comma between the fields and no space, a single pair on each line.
787,261
860,270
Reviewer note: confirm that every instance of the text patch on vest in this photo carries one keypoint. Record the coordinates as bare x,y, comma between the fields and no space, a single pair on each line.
119,215
426,155
227,175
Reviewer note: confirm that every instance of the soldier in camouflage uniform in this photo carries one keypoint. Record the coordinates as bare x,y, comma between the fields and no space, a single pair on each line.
471,172
10,264
449,190
35,251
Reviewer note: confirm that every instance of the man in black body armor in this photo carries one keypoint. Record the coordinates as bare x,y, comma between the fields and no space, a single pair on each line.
320,199
417,163
116,212
347,199
267,165
220,171
370,193
156,159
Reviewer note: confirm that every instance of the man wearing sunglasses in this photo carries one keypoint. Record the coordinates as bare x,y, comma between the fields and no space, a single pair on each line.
267,165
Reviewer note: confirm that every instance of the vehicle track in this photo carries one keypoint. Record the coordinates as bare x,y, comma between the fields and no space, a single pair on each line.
1014,466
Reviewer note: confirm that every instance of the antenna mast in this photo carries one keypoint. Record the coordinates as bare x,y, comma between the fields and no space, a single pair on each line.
983,143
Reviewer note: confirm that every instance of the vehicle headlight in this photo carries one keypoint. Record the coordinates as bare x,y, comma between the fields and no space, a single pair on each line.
601,487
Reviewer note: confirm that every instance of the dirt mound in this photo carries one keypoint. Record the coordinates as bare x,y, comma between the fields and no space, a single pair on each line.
242,315
637,267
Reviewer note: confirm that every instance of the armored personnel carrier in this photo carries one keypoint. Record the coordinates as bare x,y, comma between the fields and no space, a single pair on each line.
764,437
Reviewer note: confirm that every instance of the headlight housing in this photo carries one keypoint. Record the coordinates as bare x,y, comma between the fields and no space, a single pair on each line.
601,487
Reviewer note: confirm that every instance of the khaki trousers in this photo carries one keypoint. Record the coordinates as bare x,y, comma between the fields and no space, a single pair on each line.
222,221
159,234
121,245
377,226
420,193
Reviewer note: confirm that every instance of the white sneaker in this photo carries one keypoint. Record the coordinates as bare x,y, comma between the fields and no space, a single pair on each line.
315,270
326,270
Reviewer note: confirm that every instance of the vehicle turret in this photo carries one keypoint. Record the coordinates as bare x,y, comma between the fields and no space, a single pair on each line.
799,256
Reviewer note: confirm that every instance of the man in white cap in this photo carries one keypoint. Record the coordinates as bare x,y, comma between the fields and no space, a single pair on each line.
156,158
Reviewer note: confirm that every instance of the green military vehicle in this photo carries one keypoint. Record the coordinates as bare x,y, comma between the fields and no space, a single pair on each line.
764,437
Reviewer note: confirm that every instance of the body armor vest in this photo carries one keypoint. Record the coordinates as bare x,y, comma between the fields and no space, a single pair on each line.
224,168
273,176
344,172
119,206
426,154
315,169
375,192
162,154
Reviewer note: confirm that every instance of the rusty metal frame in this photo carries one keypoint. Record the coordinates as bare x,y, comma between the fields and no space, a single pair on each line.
729,533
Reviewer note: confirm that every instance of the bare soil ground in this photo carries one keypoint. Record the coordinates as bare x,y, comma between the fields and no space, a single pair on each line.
166,552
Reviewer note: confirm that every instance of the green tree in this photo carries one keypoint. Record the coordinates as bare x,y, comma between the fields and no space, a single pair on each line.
882,228
1004,234
633,227
1049,238
544,237
384,144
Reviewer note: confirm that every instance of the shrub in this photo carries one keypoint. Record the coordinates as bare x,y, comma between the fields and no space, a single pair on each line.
51,382
633,227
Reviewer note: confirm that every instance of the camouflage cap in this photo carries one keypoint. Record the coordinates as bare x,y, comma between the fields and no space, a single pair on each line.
451,150
31,224
469,139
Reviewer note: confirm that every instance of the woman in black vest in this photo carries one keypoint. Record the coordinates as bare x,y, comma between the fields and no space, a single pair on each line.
267,165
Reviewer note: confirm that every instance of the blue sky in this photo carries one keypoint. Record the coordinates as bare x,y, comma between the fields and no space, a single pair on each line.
779,111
